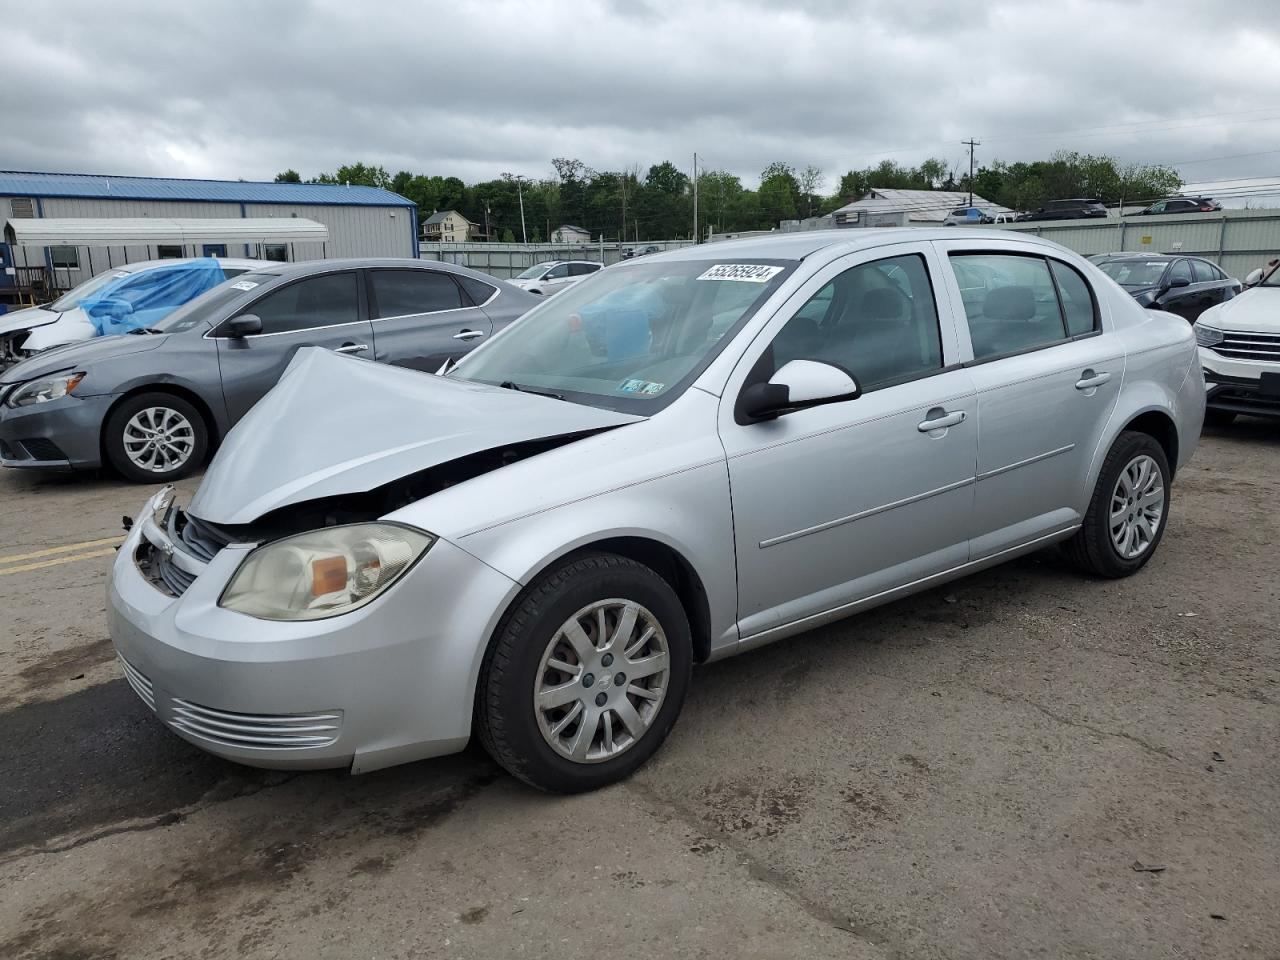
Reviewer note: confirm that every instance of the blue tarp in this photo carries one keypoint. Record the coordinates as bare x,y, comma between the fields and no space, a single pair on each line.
143,299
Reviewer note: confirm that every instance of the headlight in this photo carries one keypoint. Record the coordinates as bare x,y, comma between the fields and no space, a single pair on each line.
325,572
49,388
1207,336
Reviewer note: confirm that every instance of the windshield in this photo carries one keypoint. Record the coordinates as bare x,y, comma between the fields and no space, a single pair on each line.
1273,279
72,298
203,307
629,338
535,272
1134,273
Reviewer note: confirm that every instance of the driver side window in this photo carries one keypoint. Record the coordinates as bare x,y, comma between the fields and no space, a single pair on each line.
878,321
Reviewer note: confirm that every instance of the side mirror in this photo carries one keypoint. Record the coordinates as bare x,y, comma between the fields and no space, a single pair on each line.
245,325
799,384
1178,282
1253,278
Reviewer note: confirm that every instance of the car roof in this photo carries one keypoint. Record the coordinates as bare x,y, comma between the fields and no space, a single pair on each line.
801,244
302,268
139,265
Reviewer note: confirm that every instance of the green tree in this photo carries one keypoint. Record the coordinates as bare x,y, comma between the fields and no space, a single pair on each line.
288,176
779,194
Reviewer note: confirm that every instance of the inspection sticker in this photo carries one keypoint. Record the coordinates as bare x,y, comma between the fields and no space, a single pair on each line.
244,285
744,272
646,387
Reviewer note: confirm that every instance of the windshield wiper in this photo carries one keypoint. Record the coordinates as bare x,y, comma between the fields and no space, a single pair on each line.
511,385
143,330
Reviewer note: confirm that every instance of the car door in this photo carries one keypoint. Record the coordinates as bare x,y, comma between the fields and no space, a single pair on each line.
1212,288
556,279
316,311
1178,297
1047,375
422,318
836,503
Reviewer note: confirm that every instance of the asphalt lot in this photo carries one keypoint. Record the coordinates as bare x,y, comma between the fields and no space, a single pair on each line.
970,773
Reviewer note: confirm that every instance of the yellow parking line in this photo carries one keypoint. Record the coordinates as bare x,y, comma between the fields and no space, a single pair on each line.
68,548
58,560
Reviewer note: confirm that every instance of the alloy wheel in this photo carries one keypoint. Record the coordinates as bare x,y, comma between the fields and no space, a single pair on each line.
601,681
1137,507
159,439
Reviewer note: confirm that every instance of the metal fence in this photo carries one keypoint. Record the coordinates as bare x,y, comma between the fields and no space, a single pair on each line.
506,260
1236,240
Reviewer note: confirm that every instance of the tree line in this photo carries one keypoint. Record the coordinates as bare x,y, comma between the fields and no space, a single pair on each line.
636,204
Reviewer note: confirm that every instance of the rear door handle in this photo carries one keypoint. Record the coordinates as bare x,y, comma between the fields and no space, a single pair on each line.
939,419
352,348
468,335
1088,380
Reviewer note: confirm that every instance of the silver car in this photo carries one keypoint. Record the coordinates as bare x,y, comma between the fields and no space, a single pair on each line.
679,459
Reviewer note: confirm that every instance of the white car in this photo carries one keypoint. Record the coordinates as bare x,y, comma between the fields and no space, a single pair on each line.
1240,351
144,292
555,275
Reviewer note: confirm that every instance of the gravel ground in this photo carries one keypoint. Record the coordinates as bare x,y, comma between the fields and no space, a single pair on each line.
976,772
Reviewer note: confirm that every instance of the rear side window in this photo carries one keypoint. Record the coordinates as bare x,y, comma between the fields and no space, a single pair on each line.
1078,307
1018,303
403,293
477,290
1202,272
315,302
582,269
876,320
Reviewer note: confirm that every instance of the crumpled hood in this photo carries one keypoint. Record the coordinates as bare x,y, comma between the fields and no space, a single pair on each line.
335,425
82,355
26,319
1257,310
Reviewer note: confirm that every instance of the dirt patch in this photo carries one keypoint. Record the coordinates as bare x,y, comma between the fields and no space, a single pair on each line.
755,807
70,664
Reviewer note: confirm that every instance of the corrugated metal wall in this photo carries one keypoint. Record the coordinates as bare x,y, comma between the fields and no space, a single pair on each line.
506,260
1236,240
356,231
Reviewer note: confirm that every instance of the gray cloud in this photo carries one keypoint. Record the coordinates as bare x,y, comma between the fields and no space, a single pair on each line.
469,89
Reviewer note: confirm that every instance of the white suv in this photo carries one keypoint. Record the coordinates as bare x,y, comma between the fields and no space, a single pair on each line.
1240,350
555,275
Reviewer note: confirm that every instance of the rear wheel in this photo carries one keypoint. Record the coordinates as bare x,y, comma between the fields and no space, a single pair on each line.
586,675
155,437
1127,514
1219,418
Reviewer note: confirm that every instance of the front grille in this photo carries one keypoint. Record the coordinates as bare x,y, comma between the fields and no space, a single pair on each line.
256,730
38,448
1249,346
199,540
138,680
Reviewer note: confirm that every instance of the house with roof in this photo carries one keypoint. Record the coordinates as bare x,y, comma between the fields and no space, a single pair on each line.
907,208
447,226
568,233
71,226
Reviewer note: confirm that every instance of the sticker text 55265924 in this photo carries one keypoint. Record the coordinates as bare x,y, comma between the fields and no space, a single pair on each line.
742,272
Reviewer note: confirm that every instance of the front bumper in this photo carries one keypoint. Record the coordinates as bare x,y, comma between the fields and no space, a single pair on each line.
390,682
62,434
1241,386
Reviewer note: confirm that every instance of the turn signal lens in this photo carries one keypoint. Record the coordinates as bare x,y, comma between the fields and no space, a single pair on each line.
324,572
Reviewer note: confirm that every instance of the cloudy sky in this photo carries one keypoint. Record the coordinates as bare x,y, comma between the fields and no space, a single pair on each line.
226,89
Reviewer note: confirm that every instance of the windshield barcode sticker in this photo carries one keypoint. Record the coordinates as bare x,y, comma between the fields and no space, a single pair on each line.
744,272
244,285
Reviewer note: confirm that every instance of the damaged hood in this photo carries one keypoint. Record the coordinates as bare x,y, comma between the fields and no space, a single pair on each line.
337,425
26,319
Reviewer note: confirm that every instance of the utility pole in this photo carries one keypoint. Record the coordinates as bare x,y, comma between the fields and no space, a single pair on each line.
971,143
524,234
695,197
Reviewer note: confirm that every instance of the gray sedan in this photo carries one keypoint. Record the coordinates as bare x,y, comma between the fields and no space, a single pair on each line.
682,458
155,401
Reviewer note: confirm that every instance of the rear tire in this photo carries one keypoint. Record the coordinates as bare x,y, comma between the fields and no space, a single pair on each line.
1219,418
1128,511
155,438
566,721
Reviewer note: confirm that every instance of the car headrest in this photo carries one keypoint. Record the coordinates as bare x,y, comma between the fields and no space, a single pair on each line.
882,303
1010,303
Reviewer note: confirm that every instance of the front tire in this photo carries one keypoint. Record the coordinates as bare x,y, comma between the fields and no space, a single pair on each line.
1128,511
155,438
586,674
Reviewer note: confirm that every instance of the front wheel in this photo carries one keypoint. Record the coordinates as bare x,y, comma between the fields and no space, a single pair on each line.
155,438
1128,512
586,674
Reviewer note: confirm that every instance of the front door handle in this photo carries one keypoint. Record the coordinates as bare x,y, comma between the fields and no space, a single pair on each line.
1089,379
468,335
939,419
352,348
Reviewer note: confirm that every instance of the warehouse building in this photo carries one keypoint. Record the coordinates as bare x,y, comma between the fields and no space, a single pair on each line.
60,229
907,208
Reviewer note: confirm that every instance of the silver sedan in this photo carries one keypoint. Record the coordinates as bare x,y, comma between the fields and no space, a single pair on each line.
679,459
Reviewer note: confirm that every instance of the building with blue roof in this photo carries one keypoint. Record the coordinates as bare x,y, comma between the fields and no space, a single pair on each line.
361,221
